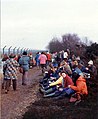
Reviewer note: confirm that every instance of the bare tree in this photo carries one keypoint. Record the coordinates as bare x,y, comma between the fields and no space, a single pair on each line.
71,42
55,45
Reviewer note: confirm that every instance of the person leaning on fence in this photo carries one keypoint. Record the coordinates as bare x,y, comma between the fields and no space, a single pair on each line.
11,68
24,64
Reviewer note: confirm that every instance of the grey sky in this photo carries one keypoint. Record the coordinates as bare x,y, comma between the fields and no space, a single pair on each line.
33,23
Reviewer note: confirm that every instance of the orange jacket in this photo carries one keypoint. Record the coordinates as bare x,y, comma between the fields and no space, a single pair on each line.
81,86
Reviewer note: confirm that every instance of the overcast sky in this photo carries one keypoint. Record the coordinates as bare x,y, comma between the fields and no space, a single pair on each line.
33,23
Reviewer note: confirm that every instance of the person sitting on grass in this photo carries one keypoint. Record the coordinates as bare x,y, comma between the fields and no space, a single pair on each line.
50,76
59,87
53,72
92,69
80,88
75,68
64,64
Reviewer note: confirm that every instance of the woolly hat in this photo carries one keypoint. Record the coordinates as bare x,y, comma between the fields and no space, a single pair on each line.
24,53
78,58
90,62
12,55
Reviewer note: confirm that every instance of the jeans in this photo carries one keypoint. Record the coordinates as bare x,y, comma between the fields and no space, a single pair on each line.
24,77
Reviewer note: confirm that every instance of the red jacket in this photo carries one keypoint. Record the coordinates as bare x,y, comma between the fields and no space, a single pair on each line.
67,81
49,57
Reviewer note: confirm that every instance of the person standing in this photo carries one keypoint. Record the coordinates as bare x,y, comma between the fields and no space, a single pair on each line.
43,59
24,64
10,73
48,58
1,69
37,60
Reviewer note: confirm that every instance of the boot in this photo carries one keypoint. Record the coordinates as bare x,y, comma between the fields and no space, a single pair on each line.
49,95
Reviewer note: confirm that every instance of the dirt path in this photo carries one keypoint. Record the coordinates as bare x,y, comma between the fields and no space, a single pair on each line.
14,103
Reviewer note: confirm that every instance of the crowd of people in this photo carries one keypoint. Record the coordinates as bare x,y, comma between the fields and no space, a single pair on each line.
13,64
67,76
64,74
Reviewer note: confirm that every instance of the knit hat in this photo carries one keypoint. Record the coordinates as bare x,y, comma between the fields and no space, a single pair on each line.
24,53
78,58
12,55
90,62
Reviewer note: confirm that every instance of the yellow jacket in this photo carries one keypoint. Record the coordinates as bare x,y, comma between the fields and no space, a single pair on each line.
59,81
63,81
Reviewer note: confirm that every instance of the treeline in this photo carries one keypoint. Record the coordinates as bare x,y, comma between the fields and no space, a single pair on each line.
82,47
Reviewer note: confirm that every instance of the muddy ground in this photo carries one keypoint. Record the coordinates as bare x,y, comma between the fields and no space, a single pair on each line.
48,108
28,103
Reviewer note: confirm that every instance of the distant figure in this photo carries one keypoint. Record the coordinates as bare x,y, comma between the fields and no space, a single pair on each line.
43,60
65,55
66,66
24,63
31,63
48,58
1,69
37,59
92,69
5,57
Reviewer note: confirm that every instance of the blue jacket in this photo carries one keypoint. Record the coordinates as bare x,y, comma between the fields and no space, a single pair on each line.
78,71
24,62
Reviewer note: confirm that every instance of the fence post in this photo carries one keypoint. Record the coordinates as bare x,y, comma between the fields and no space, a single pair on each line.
14,50
18,50
21,50
3,49
9,49
27,50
